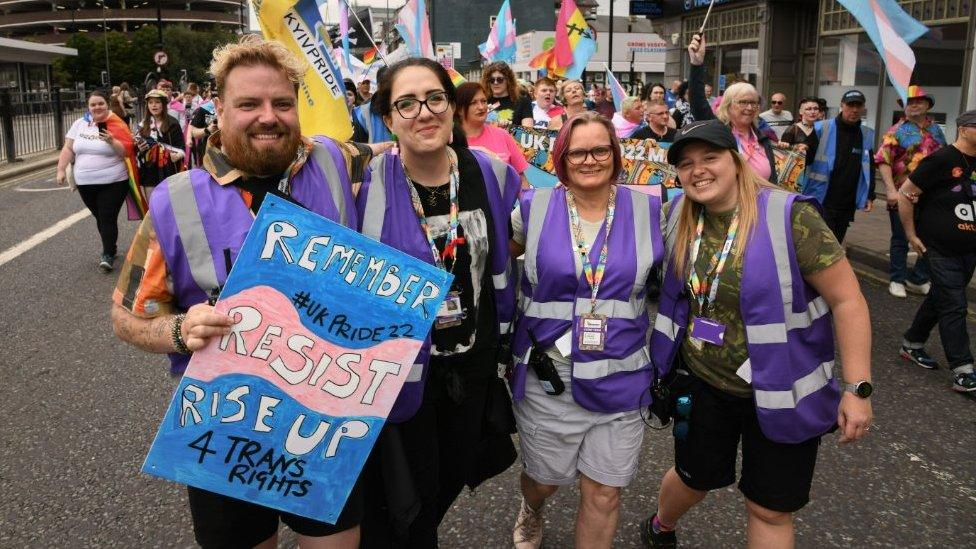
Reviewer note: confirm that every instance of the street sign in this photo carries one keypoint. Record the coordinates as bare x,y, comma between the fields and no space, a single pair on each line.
160,58
650,8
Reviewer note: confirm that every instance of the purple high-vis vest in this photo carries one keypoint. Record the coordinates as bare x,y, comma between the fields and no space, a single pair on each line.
386,214
555,293
788,332
196,219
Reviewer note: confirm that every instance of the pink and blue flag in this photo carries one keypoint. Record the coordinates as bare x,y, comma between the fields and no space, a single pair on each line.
344,31
891,30
500,45
619,94
413,26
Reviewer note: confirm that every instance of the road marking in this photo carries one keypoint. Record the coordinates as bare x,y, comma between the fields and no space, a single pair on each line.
23,190
14,251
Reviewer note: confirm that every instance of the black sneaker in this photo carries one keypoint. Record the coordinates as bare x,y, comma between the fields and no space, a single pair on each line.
964,383
656,540
106,263
920,357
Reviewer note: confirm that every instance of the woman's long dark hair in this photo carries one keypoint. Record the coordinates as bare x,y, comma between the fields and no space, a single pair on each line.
146,123
383,98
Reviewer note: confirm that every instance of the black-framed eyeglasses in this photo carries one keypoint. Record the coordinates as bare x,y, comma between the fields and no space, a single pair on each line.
409,107
776,102
497,80
599,153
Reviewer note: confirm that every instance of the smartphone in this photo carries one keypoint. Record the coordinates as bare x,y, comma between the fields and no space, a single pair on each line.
102,127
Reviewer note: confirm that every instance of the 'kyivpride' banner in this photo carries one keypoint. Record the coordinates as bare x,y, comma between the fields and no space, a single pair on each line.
285,409
643,164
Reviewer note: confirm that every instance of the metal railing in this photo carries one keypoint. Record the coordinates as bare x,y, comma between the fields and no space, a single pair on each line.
35,122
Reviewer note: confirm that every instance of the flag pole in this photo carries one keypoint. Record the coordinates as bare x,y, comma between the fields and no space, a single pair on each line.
371,41
701,31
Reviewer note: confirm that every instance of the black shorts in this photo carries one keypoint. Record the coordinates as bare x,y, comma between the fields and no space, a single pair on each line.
222,521
774,475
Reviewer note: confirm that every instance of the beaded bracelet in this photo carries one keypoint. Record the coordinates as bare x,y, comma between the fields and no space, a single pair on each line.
177,335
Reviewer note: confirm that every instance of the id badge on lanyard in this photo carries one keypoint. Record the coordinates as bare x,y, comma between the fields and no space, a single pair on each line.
592,328
704,329
451,312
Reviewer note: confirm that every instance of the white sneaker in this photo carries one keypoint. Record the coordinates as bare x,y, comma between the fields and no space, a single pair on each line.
528,528
921,289
897,289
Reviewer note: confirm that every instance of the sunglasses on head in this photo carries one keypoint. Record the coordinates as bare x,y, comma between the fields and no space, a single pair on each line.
497,80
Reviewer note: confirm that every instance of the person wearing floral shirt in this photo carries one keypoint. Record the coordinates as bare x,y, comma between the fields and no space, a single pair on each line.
910,140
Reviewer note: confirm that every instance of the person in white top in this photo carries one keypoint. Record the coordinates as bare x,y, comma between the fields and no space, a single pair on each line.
776,117
99,171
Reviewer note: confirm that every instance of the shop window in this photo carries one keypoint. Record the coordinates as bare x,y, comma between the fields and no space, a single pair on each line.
739,64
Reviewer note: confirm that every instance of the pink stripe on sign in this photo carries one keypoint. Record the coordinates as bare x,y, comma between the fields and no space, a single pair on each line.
320,375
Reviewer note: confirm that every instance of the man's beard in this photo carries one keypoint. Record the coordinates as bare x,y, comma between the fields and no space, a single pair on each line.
265,160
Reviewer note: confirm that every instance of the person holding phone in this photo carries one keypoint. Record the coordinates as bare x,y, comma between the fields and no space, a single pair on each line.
159,142
582,365
96,145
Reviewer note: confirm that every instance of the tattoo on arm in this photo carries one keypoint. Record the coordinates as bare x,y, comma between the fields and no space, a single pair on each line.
149,334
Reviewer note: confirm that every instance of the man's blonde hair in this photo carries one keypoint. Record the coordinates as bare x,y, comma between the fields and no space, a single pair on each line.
251,51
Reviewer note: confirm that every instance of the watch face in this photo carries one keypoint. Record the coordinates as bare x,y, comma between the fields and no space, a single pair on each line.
864,389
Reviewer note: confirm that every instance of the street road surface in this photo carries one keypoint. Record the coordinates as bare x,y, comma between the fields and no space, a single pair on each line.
80,409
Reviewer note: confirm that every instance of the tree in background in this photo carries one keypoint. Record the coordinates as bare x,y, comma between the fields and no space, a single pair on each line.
131,55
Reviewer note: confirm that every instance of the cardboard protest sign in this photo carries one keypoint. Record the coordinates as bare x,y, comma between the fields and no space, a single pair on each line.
643,164
284,410
790,165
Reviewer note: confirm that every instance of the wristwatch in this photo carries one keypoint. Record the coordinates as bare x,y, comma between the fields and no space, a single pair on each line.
862,388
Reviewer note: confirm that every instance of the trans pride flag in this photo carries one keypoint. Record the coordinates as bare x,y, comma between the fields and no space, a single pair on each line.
500,45
413,26
891,30
619,94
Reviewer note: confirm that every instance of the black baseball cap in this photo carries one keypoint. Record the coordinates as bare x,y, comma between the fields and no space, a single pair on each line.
853,96
713,132
965,119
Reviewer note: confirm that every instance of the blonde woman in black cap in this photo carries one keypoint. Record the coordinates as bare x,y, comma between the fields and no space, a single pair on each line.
942,228
755,286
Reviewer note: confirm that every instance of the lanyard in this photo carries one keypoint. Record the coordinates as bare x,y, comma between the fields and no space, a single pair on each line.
450,246
701,287
593,277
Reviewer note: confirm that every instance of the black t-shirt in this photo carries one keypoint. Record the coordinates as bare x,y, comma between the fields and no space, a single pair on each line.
479,329
945,209
503,109
647,133
259,187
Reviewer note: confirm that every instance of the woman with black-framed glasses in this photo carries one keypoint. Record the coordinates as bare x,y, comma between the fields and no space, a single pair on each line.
449,206
506,104
582,364
809,109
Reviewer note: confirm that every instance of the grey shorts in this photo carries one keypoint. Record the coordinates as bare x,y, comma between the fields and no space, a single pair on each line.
560,439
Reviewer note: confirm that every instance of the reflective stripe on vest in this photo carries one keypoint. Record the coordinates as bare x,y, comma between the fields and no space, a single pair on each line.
597,369
663,323
776,333
326,162
189,224
821,156
416,373
563,310
375,211
805,386
537,216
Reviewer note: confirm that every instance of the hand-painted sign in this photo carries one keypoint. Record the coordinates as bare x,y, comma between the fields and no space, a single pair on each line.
284,410
643,163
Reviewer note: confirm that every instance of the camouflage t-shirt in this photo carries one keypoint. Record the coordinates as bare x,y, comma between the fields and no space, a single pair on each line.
816,249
